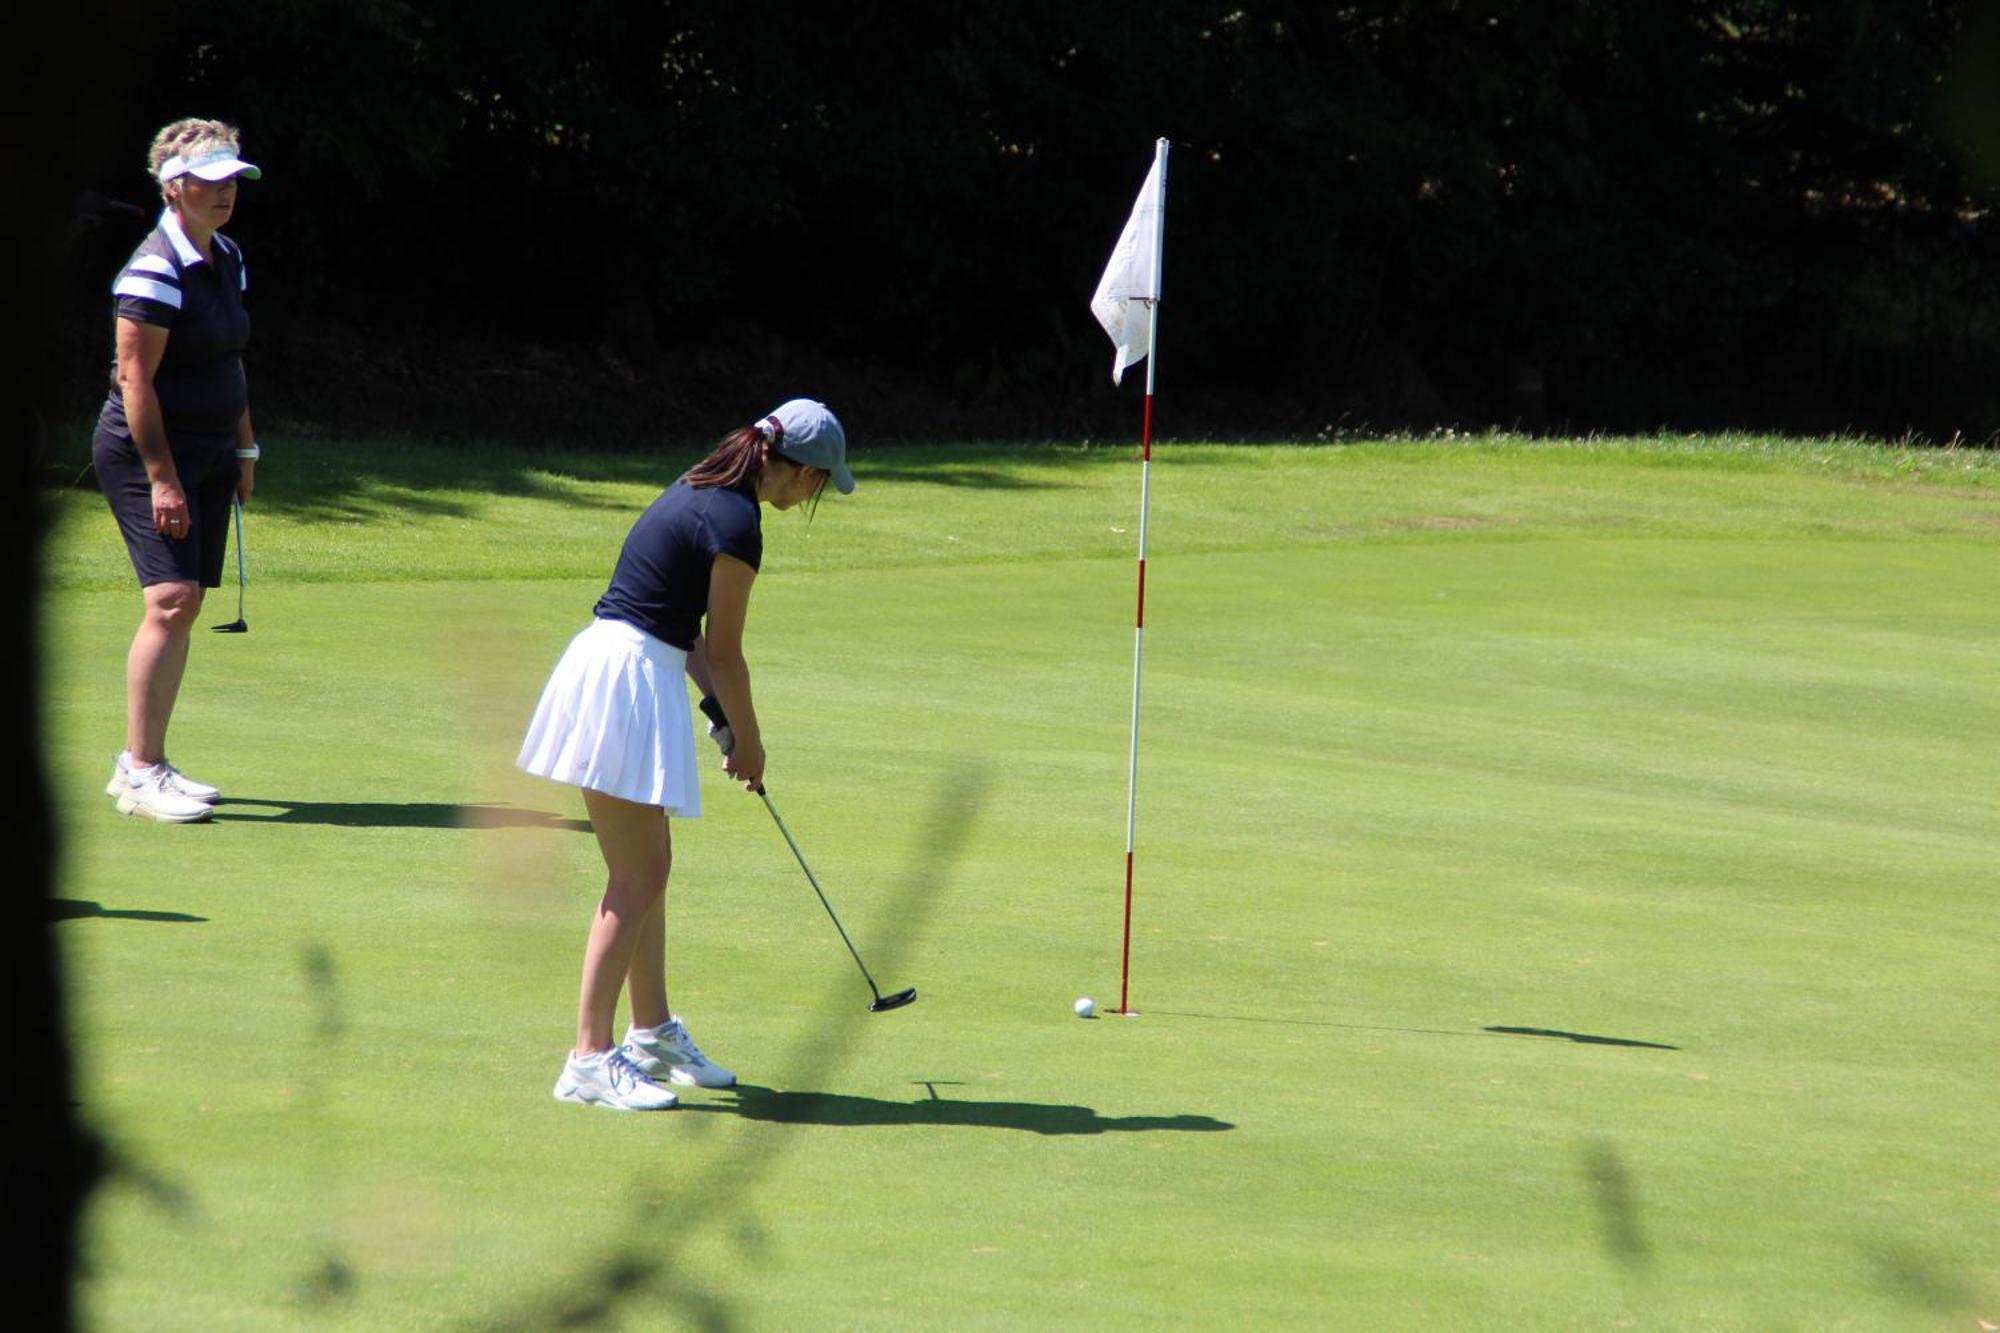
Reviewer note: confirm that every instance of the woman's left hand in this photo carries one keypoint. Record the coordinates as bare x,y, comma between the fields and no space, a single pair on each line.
247,481
745,763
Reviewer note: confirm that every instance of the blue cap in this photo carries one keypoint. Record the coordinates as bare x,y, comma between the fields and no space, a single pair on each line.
808,432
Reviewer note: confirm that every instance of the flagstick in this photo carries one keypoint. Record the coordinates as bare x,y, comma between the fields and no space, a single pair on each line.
1139,623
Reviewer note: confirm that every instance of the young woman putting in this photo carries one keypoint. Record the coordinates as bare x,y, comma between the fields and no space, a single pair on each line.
614,720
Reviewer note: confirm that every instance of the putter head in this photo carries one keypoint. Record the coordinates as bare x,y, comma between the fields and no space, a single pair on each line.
237,626
896,1001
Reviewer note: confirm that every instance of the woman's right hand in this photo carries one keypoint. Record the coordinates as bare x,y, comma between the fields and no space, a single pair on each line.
745,762
170,510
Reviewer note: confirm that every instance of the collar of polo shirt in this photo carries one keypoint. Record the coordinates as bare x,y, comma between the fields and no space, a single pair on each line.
178,238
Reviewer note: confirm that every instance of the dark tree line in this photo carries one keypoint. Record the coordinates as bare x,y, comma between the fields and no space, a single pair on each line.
1584,213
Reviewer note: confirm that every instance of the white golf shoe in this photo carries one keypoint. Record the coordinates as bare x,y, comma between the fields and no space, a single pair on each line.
121,779
669,1047
152,793
610,1078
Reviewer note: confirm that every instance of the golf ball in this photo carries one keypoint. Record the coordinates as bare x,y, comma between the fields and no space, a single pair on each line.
1085,1007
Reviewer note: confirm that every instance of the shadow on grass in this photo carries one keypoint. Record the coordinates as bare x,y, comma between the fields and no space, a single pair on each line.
1583,1038
160,1190
76,909
1616,1194
651,1281
965,478
331,1278
392,814
1919,1279
836,1108
364,478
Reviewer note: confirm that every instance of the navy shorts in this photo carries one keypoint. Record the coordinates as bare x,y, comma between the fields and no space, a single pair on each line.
209,473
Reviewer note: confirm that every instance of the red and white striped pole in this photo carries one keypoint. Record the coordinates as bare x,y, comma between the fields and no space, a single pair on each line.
1145,497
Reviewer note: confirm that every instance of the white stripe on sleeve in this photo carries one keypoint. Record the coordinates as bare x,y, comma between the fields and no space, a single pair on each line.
154,264
130,285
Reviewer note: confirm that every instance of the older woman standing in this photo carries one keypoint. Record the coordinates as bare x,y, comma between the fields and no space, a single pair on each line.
173,445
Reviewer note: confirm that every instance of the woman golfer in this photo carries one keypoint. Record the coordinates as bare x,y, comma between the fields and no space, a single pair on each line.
614,720
173,445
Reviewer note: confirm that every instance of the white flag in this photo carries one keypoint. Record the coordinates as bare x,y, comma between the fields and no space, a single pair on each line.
1128,287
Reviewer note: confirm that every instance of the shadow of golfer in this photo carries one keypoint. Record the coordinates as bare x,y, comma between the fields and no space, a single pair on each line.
74,909
837,1108
387,814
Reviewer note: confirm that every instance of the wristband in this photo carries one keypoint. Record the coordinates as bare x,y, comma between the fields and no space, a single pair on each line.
252,454
712,706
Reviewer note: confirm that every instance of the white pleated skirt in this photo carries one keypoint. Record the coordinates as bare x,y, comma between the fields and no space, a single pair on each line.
614,717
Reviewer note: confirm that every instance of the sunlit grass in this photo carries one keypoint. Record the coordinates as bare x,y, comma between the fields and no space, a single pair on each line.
1564,891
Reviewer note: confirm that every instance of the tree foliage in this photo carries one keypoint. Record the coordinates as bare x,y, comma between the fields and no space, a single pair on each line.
1598,213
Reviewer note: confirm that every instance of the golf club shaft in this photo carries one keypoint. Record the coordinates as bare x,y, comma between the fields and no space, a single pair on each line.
810,879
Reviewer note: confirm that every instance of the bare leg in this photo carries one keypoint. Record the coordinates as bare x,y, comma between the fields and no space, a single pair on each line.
633,839
646,979
154,667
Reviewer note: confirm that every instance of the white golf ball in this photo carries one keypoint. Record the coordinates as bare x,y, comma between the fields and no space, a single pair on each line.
1085,1007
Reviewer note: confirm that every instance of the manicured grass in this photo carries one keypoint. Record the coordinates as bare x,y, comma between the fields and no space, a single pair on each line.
1565,898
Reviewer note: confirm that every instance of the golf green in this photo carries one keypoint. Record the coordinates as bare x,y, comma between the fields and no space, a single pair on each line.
1565,898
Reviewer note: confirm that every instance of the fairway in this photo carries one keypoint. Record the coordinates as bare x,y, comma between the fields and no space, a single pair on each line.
1566,897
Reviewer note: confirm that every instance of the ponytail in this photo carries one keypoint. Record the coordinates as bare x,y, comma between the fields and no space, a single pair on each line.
737,459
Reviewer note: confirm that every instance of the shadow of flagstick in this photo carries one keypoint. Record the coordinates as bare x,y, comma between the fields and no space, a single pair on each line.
1580,1038
600,1292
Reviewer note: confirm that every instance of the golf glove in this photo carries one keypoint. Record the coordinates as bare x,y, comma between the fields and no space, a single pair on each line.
718,724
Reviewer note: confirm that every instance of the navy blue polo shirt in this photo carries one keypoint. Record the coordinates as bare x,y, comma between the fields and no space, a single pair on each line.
661,581
200,383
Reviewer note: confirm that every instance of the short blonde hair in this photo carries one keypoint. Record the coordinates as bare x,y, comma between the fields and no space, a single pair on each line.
188,138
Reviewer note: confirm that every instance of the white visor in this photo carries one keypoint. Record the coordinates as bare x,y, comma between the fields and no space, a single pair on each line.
215,164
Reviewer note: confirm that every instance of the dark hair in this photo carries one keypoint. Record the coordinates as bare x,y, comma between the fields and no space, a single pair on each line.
812,501
737,459
740,458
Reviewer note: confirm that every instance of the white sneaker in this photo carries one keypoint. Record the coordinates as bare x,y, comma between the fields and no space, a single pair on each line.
151,793
670,1047
121,778
610,1078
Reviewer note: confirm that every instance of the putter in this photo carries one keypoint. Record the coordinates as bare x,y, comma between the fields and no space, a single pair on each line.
882,1002
238,625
